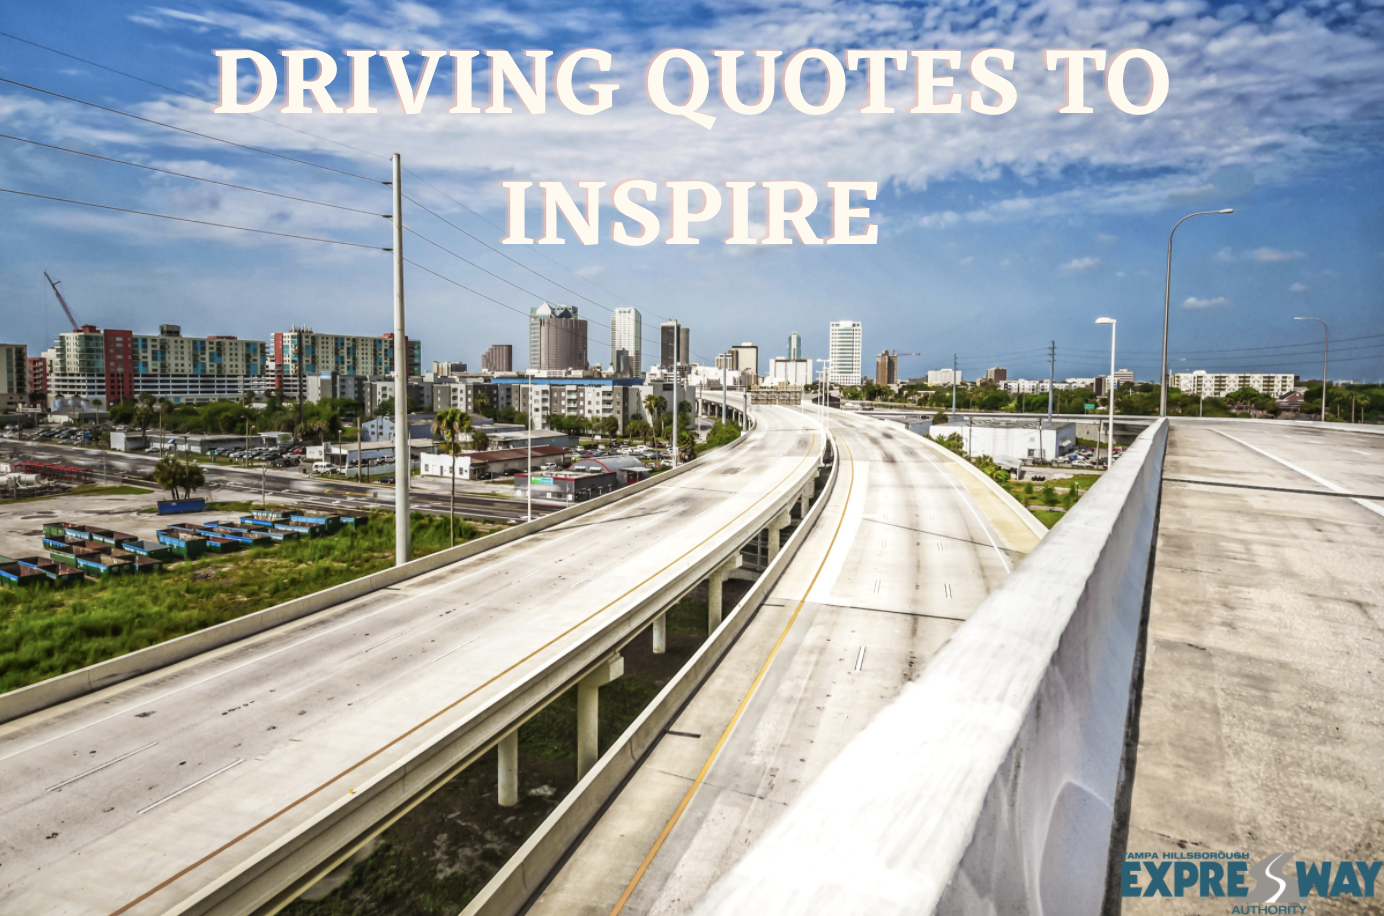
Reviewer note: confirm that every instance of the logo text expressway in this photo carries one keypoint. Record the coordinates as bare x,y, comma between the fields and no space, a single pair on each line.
1230,874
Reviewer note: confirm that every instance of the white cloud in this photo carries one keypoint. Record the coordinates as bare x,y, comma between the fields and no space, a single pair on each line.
1273,255
1225,254
1081,264
966,260
1102,237
1119,273
1298,288
590,270
1193,302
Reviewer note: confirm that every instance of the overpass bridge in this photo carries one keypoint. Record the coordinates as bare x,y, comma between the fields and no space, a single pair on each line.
1189,660
232,779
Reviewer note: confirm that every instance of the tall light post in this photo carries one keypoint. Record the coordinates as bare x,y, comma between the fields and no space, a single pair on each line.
677,334
1110,396
1167,299
1326,353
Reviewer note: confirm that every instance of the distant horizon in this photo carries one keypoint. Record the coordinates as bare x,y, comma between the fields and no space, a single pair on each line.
996,235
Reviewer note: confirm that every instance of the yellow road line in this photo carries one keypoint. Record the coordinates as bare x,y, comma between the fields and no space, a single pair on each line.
744,703
444,710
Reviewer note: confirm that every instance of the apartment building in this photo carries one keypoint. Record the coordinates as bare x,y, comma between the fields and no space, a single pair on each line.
1218,384
302,352
499,358
887,368
118,365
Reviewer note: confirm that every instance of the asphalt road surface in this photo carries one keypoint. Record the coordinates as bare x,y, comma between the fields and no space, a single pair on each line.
907,547
135,797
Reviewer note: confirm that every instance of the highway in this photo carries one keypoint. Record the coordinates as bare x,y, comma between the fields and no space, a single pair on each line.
138,797
290,485
909,544
1260,725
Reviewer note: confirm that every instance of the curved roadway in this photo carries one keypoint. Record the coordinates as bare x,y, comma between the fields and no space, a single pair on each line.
908,546
135,798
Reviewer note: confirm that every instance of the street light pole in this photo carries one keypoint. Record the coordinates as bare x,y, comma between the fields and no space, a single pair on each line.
676,405
1326,353
1167,299
528,470
1110,395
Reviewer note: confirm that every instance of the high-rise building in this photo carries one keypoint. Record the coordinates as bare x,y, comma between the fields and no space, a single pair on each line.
302,352
1216,384
796,372
14,376
945,377
627,333
795,346
499,358
997,374
537,315
887,368
448,368
38,380
843,354
665,337
745,357
562,344
117,365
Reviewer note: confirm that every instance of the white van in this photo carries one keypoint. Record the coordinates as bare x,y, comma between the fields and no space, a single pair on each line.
321,467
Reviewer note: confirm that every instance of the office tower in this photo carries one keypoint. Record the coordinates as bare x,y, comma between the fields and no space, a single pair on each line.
746,358
997,374
626,333
684,356
499,358
887,368
537,315
795,346
562,343
843,354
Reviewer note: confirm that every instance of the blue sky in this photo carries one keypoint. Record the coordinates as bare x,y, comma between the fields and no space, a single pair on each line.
997,234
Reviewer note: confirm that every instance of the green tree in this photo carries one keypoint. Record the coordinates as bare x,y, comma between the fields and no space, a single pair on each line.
687,446
449,426
479,440
178,476
655,405
1049,497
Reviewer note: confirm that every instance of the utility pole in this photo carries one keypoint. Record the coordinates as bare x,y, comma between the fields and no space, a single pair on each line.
954,365
1052,363
403,459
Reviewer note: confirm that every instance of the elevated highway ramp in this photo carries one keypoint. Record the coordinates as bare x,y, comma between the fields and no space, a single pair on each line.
228,781
909,544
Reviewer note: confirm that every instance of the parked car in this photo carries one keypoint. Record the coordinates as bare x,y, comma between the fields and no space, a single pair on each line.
386,480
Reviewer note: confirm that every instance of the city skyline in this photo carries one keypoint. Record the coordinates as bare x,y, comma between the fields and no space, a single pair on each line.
1022,229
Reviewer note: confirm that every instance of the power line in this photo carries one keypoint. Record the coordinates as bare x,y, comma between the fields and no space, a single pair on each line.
184,219
184,130
224,184
180,92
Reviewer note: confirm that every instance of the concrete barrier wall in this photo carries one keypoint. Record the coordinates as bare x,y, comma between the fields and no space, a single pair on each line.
523,875
74,684
989,785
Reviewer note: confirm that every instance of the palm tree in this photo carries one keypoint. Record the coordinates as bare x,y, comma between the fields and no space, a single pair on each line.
482,402
655,405
174,475
479,440
450,425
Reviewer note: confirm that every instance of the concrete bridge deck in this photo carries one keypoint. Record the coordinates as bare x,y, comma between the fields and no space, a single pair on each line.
1262,725
909,545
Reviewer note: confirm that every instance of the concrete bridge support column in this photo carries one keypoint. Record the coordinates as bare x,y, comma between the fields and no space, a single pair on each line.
509,769
775,527
588,710
713,592
803,499
660,629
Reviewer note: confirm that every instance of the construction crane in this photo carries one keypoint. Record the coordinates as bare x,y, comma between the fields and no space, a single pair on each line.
908,354
61,301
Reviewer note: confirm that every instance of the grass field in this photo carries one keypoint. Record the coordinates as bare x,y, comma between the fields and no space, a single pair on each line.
47,631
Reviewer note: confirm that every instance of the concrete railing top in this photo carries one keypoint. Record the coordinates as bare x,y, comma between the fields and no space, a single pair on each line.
961,764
